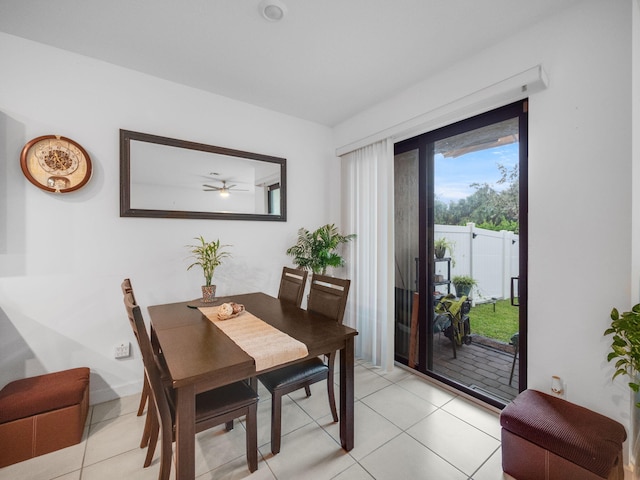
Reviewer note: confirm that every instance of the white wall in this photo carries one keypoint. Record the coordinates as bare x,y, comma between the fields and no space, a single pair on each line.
580,166
62,258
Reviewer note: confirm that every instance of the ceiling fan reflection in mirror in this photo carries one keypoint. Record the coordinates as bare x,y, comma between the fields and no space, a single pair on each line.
224,189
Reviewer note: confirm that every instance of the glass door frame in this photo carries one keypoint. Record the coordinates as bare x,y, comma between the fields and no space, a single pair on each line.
424,144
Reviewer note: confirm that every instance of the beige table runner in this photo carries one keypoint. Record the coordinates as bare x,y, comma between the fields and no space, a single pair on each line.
266,344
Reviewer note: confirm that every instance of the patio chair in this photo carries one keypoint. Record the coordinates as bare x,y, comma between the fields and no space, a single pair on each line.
452,318
515,341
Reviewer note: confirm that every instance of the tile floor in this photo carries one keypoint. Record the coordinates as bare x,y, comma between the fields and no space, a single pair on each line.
406,427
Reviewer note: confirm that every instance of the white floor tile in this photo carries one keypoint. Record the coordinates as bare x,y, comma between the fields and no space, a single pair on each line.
293,417
115,408
317,405
459,443
366,381
237,469
405,428
405,458
115,436
399,406
216,446
492,469
354,472
395,375
308,453
372,431
70,476
476,415
426,390
123,466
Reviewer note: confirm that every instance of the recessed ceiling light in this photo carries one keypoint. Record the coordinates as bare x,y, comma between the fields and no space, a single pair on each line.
272,10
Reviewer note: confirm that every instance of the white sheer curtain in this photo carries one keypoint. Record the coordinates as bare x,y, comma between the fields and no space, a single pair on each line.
367,192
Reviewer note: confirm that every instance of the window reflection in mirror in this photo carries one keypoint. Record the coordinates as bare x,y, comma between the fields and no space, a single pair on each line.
273,199
164,177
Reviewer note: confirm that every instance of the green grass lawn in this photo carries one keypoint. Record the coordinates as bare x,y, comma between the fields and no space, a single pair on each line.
500,325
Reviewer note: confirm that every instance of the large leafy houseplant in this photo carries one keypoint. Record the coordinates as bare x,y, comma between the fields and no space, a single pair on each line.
208,256
625,347
317,250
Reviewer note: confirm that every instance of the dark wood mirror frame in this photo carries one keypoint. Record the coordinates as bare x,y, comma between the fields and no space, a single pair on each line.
161,172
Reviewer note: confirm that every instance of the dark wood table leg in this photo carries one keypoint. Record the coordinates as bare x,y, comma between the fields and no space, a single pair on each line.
346,395
185,432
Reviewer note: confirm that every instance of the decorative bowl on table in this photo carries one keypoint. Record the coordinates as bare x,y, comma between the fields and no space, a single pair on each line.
229,310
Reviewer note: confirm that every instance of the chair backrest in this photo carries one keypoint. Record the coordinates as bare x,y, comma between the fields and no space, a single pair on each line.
151,368
292,285
453,306
328,296
127,288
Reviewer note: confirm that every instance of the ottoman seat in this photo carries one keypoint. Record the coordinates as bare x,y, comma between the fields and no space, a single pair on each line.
42,414
546,437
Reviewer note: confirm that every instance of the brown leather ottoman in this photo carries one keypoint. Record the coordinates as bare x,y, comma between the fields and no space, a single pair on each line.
42,414
546,437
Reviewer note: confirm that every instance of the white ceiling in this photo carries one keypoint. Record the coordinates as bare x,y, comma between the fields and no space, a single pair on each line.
325,61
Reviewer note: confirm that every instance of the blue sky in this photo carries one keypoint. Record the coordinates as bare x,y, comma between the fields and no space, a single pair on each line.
454,175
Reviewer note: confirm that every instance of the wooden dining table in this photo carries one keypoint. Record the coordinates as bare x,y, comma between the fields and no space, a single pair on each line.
200,357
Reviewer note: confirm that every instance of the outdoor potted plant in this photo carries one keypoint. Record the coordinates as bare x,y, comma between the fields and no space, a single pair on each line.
208,256
463,284
317,250
440,246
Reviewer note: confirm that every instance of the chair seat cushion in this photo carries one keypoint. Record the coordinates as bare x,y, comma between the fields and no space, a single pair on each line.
575,433
225,399
31,396
293,374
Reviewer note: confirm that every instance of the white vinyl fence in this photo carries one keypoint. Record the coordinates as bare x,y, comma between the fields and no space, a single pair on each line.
490,257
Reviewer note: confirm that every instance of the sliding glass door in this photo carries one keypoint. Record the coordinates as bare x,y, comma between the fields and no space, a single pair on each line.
460,253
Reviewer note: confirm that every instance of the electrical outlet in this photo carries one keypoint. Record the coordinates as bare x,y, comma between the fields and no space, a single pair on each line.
122,350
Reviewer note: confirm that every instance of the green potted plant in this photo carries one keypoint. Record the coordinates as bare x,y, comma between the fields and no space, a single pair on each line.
208,256
440,246
317,250
463,284
625,350
625,347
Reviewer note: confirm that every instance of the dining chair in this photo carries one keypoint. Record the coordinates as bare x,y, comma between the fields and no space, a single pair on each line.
144,396
292,285
328,297
127,288
214,407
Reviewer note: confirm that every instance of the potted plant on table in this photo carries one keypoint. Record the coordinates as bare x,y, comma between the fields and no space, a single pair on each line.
208,256
463,284
317,250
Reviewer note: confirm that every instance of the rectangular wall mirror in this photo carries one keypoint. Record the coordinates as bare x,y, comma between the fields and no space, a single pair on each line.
163,177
